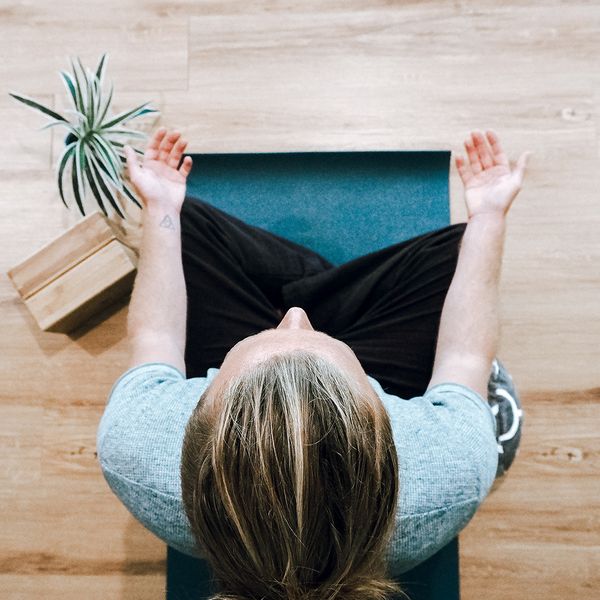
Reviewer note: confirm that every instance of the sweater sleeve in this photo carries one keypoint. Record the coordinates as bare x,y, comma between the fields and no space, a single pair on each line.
472,428
140,434
447,451
139,442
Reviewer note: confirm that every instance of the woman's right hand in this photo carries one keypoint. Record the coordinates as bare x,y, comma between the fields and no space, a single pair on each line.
490,184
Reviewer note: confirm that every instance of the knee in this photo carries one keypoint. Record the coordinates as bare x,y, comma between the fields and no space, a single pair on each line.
193,203
197,211
198,220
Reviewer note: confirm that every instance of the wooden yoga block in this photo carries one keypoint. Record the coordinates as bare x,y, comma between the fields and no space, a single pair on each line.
76,274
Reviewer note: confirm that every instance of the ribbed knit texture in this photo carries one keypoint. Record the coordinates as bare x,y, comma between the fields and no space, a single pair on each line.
445,439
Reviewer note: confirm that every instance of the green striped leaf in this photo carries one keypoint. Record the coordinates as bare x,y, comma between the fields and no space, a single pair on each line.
101,117
68,81
107,156
112,152
127,115
62,161
118,184
146,111
97,101
76,177
87,101
93,184
81,116
100,69
79,98
129,193
121,145
129,132
64,124
38,106
90,103
104,185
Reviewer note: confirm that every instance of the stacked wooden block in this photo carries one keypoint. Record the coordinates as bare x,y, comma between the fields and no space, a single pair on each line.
76,274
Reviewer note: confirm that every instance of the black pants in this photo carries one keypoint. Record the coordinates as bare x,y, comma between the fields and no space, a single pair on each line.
385,305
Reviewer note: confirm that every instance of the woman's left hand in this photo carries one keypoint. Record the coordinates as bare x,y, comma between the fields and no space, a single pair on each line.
158,180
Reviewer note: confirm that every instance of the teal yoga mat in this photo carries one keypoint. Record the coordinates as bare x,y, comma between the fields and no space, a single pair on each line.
342,205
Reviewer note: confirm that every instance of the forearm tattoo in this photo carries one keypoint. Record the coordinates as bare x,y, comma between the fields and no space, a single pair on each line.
167,223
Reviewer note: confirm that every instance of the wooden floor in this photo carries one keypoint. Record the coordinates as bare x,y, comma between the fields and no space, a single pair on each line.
314,75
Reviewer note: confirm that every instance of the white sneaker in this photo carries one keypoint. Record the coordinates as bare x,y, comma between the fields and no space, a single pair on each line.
506,407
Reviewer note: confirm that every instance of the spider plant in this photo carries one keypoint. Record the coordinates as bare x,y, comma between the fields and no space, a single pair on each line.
92,145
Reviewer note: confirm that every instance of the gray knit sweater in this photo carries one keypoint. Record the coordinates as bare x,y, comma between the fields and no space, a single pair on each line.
445,439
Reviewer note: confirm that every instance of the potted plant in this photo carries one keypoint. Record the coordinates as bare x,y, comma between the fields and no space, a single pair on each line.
91,264
91,146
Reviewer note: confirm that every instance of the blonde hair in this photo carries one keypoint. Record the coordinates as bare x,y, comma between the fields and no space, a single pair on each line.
290,484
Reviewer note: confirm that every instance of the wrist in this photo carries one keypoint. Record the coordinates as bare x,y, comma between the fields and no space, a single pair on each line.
156,211
163,218
491,217
160,225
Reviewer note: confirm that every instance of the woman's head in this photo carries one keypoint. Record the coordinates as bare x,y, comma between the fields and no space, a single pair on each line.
290,479
293,332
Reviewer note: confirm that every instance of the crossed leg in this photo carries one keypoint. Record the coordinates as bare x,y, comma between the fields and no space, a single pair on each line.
385,305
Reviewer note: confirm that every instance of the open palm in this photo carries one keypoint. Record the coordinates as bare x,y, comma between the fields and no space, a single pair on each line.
159,180
490,183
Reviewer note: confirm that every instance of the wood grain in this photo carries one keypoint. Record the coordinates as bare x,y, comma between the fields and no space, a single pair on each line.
275,76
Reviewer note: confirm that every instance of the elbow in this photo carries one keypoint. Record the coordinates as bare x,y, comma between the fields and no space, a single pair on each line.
471,370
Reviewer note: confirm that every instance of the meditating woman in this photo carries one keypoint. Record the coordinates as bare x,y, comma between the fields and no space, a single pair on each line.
325,428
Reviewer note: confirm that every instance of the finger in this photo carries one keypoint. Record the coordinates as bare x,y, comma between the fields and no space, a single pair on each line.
485,156
473,157
463,169
497,151
521,165
154,143
167,145
186,166
176,152
132,162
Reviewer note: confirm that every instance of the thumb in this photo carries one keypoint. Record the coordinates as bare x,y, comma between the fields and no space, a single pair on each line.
522,165
132,162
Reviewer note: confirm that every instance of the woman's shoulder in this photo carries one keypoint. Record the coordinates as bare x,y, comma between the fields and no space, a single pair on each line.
446,445
447,458
144,421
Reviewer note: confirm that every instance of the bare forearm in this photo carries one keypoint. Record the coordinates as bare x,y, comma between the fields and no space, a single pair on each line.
469,325
159,302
